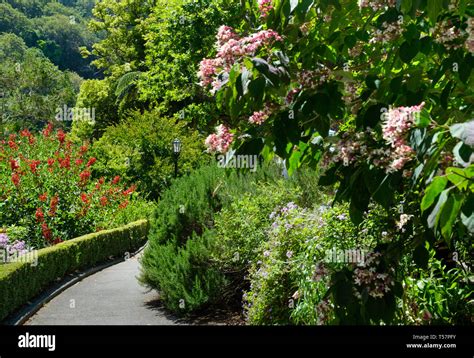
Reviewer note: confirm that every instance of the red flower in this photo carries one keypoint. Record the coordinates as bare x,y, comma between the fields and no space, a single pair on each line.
85,175
25,133
47,131
123,205
53,205
79,162
103,201
34,165
101,180
129,190
83,150
91,162
14,164
43,197
65,162
58,240
50,162
46,231
16,179
31,140
61,136
84,198
39,215
116,179
12,145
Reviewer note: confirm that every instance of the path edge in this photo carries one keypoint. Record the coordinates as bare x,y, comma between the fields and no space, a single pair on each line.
30,309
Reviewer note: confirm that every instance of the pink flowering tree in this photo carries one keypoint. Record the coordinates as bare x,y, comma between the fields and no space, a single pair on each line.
376,93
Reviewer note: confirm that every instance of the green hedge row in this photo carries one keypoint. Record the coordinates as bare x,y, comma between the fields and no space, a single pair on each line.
21,281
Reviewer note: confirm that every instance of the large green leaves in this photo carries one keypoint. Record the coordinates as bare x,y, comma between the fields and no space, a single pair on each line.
432,192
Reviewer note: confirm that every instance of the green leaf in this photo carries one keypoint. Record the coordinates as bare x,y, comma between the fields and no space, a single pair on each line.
406,6
433,218
408,50
445,94
257,89
329,177
421,256
432,191
449,215
342,292
434,9
423,120
458,177
467,214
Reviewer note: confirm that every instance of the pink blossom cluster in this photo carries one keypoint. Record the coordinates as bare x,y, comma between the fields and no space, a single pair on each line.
448,35
377,4
398,122
313,78
350,95
377,284
324,309
230,49
320,272
291,95
234,49
225,34
348,149
260,116
265,6
220,141
389,32
400,157
356,50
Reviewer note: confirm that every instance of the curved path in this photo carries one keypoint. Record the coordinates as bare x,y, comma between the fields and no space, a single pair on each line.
112,296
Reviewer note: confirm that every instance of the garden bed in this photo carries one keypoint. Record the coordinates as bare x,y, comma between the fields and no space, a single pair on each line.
21,281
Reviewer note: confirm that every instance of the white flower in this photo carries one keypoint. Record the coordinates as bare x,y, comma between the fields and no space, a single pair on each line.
404,218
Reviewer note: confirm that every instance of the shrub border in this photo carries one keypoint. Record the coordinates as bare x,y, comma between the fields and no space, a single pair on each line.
21,281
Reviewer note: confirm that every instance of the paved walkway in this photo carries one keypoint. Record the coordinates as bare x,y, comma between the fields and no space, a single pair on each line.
112,296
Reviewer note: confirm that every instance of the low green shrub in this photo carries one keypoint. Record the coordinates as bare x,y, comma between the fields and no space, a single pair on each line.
191,202
181,230
185,276
22,280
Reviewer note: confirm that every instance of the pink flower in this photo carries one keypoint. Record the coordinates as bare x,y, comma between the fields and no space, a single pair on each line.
220,141
265,6
224,34
258,117
377,4
230,50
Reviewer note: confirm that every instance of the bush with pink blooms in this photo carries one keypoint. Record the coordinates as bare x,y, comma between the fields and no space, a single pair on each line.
379,96
47,187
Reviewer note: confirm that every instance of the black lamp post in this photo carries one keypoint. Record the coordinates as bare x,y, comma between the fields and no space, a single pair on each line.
176,152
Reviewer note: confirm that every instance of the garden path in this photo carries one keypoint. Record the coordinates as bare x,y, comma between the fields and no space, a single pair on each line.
111,296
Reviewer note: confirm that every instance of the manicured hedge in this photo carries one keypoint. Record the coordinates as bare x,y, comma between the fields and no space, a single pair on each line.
21,281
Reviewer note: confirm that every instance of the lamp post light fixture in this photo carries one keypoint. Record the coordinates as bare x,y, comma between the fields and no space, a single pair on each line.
176,152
